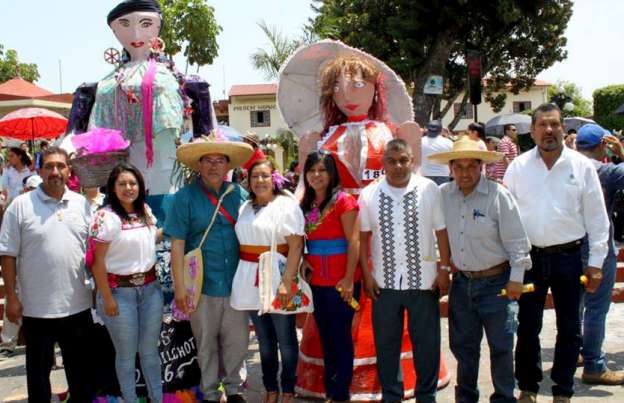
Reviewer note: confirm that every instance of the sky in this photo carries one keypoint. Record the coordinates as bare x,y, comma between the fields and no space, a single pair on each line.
75,33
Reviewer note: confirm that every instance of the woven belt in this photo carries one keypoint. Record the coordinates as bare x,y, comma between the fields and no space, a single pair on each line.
251,253
327,247
564,247
491,272
132,280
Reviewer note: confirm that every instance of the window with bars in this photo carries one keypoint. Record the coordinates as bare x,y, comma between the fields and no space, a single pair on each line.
521,106
260,118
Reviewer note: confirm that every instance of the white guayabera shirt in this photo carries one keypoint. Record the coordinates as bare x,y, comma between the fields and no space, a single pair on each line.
402,222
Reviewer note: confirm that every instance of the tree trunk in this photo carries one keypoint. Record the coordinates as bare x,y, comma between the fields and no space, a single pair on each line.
435,110
434,64
456,118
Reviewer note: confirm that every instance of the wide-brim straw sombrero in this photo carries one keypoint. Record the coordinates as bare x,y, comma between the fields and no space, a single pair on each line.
465,148
190,154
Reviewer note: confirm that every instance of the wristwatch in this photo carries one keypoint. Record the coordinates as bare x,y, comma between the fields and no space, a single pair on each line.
445,268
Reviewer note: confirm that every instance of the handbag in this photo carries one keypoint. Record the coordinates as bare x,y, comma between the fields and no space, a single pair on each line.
271,267
193,273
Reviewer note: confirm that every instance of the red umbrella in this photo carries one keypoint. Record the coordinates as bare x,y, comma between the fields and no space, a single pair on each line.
32,123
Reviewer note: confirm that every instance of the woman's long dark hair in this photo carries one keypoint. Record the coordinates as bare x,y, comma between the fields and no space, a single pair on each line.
334,180
479,128
23,156
112,199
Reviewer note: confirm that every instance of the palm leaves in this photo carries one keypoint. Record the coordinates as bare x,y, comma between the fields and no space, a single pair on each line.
280,47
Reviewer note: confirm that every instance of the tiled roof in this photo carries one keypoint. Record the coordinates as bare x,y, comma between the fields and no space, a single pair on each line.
22,88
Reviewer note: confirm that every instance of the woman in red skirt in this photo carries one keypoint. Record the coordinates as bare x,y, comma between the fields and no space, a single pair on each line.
332,243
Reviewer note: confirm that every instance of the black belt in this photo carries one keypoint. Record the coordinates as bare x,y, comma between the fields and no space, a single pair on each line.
491,272
561,248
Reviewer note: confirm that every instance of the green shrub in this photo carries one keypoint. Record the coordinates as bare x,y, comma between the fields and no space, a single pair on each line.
606,101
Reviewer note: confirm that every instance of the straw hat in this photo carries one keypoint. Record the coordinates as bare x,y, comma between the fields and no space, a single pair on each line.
238,152
466,148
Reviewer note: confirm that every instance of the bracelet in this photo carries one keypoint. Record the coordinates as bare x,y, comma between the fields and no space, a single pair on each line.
445,268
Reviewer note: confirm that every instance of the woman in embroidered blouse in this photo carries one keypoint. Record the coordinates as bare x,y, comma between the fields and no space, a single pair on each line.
129,298
332,254
269,207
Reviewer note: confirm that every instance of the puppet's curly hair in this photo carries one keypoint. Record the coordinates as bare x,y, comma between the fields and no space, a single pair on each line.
350,66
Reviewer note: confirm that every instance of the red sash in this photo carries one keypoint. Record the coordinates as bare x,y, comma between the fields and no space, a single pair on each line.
214,202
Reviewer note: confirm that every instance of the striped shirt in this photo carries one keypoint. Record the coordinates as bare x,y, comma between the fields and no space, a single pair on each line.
507,147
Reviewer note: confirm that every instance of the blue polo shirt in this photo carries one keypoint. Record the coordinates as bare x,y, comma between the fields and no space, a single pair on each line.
189,218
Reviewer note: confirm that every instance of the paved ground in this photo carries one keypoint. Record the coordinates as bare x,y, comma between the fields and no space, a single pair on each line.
13,381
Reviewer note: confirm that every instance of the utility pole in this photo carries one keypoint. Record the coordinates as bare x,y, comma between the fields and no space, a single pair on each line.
60,77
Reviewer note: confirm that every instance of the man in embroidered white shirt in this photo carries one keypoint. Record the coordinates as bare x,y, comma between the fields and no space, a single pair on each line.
401,212
560,200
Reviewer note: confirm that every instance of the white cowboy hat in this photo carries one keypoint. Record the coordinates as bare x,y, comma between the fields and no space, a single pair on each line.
189,154
299,91
466,148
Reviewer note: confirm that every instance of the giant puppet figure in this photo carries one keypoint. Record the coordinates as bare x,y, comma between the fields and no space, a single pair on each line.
144,97
150,103
350,104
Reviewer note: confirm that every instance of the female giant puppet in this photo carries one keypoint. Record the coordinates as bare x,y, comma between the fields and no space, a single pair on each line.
346,102
150,103
144,97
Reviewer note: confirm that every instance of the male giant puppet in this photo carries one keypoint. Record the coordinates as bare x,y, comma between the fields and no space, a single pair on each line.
345,101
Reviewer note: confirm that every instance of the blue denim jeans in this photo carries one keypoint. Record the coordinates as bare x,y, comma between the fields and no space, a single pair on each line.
275,331
423,324
560,272
136,329
474,306
596,308
334,319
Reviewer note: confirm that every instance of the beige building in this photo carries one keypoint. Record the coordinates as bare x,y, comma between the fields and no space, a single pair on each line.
254,107
526,100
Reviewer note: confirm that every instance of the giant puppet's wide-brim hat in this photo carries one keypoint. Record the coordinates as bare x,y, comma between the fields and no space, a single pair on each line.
299,87
465,148
189,154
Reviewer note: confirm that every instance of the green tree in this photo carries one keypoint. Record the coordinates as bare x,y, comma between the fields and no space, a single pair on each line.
190,24
582,106
606,101
10,67
280,46
418,38
270,60
289,143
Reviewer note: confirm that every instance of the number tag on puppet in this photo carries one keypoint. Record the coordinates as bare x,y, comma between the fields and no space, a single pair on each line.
372,174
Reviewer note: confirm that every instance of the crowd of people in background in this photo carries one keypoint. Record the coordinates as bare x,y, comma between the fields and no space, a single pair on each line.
479,217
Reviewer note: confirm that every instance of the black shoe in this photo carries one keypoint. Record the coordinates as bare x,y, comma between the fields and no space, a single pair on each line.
238,398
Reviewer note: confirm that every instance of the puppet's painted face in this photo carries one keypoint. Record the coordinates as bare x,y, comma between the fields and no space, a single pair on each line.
135,32
353,95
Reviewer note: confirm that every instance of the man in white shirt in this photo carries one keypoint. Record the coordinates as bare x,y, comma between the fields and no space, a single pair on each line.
560,200
47,229
401,212
433,143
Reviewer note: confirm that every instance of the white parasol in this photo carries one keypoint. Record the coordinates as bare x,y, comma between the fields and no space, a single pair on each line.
495,126
576,122
299,89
